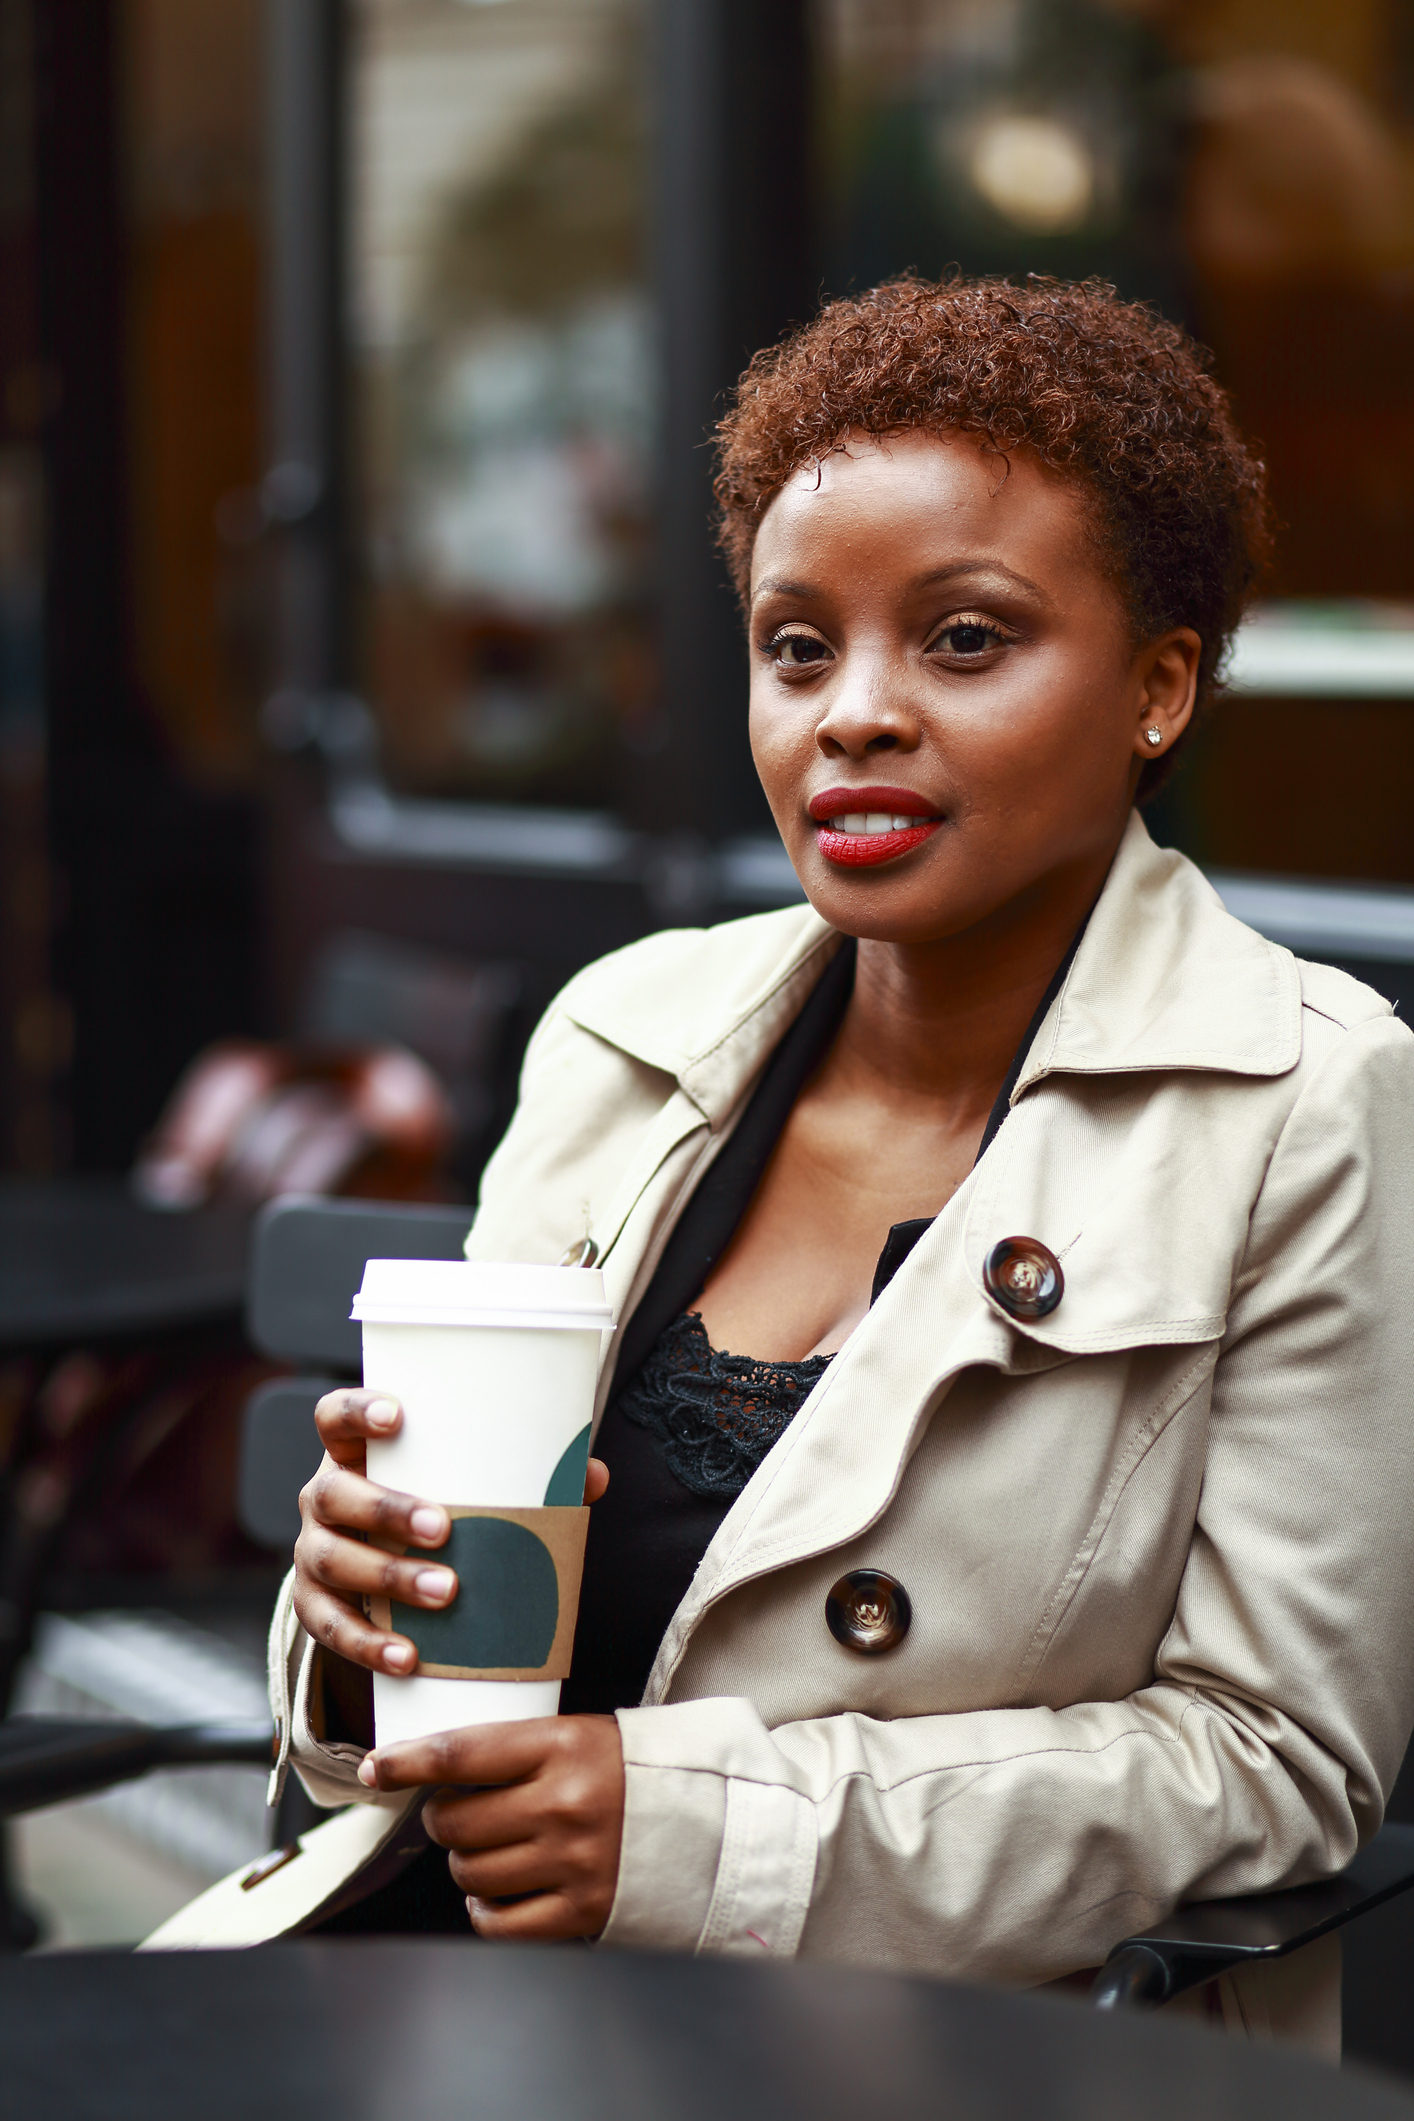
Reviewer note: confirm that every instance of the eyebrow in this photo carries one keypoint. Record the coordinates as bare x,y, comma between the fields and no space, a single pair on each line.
965,568
777,586
805,592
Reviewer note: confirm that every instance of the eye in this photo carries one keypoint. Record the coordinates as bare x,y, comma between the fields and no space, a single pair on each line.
796,651
968,638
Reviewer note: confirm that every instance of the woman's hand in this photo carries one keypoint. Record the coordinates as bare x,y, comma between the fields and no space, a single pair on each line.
336,1568
535,1844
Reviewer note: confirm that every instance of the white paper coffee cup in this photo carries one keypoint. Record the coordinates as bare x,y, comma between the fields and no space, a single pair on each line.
495,1368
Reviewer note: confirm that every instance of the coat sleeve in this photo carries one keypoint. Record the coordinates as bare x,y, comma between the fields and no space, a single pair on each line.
1021,1844
329,1772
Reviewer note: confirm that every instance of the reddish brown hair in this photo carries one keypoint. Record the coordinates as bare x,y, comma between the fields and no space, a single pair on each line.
1107,393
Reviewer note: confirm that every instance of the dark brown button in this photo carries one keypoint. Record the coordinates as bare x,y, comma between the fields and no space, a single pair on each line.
868,1611
1024,1277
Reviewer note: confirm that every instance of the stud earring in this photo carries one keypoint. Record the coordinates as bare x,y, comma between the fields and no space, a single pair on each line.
1154,735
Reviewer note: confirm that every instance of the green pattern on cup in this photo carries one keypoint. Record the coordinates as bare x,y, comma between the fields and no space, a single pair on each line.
566,1489
507,1605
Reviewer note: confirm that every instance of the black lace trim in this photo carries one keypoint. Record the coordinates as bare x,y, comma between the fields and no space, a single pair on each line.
715,1415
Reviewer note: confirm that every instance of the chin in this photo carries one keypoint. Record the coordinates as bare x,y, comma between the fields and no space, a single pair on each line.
892,904
925,897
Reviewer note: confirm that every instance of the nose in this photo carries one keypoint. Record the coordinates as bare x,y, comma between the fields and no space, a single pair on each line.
867,709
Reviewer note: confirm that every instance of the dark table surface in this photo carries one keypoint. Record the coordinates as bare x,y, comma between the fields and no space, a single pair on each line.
80,1259
411,2030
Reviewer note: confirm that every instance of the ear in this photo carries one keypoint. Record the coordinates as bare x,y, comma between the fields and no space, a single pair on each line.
1167,675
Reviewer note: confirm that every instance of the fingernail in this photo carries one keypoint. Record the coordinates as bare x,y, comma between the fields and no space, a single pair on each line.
367,1772
434,1583
381,1413
428,1524
398,1656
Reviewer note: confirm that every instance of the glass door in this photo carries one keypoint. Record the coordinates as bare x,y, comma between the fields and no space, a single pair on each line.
505,393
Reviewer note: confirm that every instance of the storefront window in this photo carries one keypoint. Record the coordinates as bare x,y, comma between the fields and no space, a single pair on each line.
505,392
1249,166
192,73
30,1023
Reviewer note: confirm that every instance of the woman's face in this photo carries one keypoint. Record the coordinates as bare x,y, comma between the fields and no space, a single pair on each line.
948,713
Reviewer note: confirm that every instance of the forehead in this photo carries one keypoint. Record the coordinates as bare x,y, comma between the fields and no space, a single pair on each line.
929,495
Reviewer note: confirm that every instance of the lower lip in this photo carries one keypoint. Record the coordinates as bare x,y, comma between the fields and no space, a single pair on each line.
864,850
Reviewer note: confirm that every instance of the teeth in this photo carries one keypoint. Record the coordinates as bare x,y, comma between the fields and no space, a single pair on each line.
870,821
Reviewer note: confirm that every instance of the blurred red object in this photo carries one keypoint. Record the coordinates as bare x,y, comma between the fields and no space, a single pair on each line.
247,1121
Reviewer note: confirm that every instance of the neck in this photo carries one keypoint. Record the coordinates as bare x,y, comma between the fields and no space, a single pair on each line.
941,1020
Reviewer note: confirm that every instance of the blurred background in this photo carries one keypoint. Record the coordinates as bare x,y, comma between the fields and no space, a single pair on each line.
365,664
359,624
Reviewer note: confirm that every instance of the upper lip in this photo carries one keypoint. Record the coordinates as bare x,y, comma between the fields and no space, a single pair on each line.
897,802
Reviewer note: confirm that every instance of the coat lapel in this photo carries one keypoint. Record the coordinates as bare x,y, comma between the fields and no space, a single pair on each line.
752,980
1166,978
837,1467
715,1069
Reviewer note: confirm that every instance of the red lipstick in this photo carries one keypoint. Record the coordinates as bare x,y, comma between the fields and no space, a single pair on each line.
862,838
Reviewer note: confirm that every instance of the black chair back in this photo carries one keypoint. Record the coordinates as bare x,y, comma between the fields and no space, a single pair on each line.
306,1263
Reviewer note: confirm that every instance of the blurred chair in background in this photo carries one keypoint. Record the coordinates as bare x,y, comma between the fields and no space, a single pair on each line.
387,1092
250,1121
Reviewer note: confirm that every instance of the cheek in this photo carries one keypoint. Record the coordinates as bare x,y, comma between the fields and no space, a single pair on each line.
1066,730
778,739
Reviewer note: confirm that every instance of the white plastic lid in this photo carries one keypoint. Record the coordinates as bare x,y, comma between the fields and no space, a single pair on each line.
467,1292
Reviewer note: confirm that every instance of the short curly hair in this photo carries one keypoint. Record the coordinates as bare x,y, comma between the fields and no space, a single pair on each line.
1108,393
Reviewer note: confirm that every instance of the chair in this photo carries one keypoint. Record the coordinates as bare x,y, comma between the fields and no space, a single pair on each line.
1211,1937
306,1261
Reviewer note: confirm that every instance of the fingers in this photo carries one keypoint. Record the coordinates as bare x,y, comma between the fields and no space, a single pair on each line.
596,1479
581,1878
340,1627
347,1418
472,1820
544,1918
491,1753
505,1874
336,1569
339,1499
537,1850
329,1560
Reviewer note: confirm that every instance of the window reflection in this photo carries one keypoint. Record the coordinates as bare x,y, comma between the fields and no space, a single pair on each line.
1248,164
1005,135
1299,219
506,362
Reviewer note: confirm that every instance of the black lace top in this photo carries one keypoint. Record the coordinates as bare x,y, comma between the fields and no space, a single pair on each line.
716,1416
681,1438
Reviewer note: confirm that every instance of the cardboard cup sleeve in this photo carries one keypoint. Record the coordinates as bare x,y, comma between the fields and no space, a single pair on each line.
518,1577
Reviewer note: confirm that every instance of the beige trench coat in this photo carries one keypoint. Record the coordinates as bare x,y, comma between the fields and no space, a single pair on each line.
1158,1544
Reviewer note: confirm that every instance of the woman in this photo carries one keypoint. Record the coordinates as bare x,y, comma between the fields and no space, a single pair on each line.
1009,1478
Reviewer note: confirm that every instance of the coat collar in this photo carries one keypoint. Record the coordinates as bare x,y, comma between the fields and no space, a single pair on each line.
1164,978
706,1006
